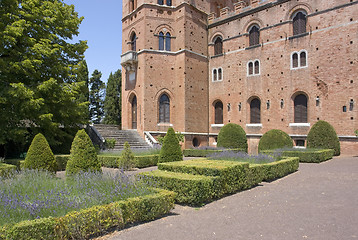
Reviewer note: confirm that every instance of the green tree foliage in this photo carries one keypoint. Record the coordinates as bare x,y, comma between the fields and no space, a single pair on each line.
83,76
38,82
39,155
83,155
127,157
170,150
232,136
274,139
96,95
323,135
112,102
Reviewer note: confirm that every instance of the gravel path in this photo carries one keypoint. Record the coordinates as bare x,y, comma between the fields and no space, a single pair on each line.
320,201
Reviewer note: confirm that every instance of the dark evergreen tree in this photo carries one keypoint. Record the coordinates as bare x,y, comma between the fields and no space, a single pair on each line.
96,96
112,103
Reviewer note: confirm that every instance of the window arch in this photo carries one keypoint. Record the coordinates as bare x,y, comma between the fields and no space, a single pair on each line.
255,111
254,35
164,109
218,45
134,112
133,42
300,109
299,22
167,41
161,2
169,2
299,59
219,112
164,41
161,41
253,68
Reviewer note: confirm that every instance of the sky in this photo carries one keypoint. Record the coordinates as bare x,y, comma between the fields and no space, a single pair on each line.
102,28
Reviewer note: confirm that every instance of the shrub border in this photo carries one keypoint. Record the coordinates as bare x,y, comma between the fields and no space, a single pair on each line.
314,156
207,152
93,221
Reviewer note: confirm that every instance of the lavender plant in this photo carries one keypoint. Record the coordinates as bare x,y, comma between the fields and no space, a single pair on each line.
35,194
244,157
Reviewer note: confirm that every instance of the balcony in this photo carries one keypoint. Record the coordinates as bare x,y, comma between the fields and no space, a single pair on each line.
129,59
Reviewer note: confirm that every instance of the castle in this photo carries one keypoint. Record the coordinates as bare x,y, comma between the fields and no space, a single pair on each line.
196,65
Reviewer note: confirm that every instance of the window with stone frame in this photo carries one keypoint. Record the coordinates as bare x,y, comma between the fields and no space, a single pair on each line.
219,118
164,41
299,23
218,45
253,68
300,109
255,111
254,35
133,42
299,59
164,109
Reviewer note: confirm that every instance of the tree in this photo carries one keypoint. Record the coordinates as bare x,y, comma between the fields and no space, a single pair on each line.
39,155
112,103
83,76
127,158
170,150
38,83
83,155
96,95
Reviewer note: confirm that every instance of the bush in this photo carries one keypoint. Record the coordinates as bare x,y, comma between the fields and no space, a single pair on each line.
83,155
190,189
275,139
280,168
232,136
6,169
109,161
139,161
232,174
110,143
91,221
356,132
39,155
206,152
322,135
61,161
126,161
15,162
170,151
305,155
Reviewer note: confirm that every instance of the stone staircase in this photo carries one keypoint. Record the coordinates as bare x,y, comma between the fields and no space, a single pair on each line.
121,136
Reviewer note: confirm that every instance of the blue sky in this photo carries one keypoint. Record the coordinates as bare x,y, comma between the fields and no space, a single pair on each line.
102,28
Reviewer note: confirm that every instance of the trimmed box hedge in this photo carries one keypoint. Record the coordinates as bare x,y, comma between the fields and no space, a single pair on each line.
191,189
6,169
139,161
92,221
307,155
232,175
207,152
278,169
15,162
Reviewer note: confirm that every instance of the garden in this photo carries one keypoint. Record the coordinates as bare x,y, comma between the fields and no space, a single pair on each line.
35,204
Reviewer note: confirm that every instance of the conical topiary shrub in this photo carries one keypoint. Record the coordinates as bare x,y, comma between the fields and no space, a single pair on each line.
127,157
83,155
323,135
274,139
170,150
39,155
232,136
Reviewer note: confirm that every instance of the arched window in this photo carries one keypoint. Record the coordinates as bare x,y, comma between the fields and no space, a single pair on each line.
215,74
218,46
255,111
161,2
303,59
131,5
220,74
299,59
299,23
254,35
161,41
219,112
300,105
167,42
295,60
257,67
134,112
251,68
169,2
133,42
164,109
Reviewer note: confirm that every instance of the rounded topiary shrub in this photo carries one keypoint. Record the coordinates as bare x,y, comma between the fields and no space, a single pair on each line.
83,155
39,155
232,136
170,150
323,135
274,139
127,157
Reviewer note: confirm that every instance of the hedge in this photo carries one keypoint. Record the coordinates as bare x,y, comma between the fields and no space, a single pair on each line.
208,152
139,161
232,174
93,221
61,161
307,156
232,136
15,162
278,169
274,139
6,169
171,150
191,189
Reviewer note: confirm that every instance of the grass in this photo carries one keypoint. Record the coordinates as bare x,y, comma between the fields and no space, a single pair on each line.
35,194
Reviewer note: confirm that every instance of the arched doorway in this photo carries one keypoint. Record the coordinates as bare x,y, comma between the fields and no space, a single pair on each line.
300,105
134,112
